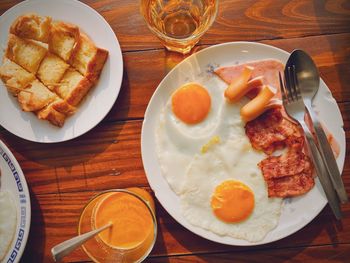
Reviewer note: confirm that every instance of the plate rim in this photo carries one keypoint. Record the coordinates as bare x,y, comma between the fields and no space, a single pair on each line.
147,166
23,242
120,63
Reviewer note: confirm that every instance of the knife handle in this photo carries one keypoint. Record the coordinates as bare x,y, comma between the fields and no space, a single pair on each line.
328,158
322,172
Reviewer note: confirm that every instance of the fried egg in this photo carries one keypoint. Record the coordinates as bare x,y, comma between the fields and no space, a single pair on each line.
193,115
8,221
224,192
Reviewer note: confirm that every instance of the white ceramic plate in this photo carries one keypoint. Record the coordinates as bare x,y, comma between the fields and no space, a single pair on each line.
13,180
296,212
98,101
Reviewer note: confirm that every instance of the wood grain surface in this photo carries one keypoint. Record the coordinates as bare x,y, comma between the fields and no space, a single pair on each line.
63,177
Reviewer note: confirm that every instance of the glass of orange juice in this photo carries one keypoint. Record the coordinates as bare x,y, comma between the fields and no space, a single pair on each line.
134,227
179,24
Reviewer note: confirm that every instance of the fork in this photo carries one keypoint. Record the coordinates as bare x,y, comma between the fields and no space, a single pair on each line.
295,108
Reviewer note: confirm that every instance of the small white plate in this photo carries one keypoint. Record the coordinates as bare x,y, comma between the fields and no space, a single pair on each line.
296,212
13,180
100,98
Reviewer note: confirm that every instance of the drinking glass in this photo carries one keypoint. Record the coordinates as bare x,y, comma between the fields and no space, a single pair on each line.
98,248
179,24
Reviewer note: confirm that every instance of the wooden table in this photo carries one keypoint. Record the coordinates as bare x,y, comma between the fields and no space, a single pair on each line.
63,176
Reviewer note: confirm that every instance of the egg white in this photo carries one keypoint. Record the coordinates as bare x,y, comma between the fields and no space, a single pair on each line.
233,159
178,142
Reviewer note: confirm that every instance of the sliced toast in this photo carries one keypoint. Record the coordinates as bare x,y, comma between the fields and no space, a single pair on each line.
52,115
56,112
89,59
63,106
73,87
63,39
35,97
51,70
32,26
15,77
25,53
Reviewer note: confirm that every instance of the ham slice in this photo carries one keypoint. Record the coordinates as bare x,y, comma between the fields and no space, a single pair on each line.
268,68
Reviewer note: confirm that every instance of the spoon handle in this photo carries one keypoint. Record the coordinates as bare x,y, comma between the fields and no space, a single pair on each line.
63,249
321,172
328,157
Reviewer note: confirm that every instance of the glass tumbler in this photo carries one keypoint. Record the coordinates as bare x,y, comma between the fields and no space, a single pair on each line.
179,24
129,212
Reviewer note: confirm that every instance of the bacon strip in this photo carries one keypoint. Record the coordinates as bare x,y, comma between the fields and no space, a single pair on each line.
270,131
291,173
288,164
290,186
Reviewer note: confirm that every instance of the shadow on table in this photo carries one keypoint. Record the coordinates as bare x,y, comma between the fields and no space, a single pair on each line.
121,107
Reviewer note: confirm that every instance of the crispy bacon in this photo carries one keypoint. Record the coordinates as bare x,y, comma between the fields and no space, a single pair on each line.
271,131
291,173
294,161
290,186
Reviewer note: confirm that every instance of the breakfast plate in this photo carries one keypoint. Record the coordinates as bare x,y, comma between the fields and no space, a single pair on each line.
100,98
296,212
13,181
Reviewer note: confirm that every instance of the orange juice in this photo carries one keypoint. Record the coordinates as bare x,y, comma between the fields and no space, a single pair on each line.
133,231
131,221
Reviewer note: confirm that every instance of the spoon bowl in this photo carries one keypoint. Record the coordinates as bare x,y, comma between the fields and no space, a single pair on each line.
307,74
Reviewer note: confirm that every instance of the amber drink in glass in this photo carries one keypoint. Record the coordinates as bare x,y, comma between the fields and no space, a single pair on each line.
179,24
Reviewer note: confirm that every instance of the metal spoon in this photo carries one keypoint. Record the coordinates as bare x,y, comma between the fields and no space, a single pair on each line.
308,81
63,249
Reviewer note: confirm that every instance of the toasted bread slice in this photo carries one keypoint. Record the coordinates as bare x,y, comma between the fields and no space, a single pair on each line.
56,112
51,70
35,97
73,87
63,39
89,59
63,107
52,115
25,53
32,26
14,76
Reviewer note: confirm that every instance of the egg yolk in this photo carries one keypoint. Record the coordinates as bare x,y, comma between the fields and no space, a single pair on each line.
191,103
232,201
